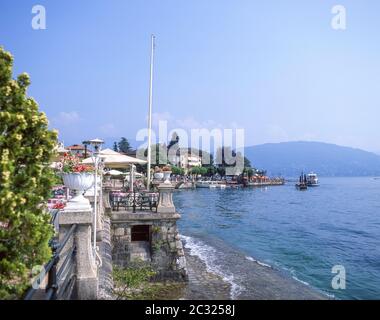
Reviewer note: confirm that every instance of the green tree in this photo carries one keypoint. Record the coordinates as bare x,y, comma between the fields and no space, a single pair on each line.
208,163
124,145
26,148
225,157
115,147
229,161
249,171
178,170
203,171
194,170
173,149
211,170
174,140
221,171
247,163
198,170
158,154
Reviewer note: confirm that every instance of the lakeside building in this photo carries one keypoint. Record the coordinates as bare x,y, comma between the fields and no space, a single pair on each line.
79,150
60,149
187,159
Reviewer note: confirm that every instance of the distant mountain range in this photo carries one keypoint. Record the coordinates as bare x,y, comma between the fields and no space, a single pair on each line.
289,159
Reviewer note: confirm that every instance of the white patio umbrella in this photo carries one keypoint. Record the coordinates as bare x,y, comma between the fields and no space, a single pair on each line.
116,160
114,172
136,175
113,159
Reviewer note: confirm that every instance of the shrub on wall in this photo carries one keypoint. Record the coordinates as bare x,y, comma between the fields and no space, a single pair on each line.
26,147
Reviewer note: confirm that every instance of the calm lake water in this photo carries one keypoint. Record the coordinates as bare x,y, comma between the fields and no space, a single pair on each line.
301,233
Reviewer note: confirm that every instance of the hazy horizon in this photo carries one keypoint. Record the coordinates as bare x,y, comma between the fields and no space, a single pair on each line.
135,144
277,70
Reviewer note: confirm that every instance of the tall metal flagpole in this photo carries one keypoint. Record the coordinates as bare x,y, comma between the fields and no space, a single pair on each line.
150,112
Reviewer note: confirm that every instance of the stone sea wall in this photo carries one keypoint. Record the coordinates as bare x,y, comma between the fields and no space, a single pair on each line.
168,257
166,254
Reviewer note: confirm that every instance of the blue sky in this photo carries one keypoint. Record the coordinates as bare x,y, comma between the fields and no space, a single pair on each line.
275,68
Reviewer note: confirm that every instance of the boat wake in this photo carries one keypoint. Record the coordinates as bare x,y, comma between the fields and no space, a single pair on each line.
210,256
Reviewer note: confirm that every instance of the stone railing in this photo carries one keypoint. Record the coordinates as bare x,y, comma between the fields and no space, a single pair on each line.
85,261
142,201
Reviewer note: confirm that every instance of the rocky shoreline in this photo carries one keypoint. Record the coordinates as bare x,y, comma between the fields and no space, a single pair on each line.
269,284
203,285
266,284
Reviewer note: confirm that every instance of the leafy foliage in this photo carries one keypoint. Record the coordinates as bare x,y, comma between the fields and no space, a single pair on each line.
71,163
178,170
136,282
198,170
228,158
124,145
174,141
26,147
158,154
157,245
134,275
249,172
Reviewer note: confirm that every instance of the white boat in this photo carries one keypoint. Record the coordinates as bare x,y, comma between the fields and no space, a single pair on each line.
312,180
209,184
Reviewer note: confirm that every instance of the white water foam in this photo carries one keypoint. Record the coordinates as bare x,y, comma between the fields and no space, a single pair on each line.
292,272
329,295
258,262
209,256
303,282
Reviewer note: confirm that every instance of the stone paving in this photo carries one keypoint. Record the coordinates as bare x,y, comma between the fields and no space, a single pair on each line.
202,284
